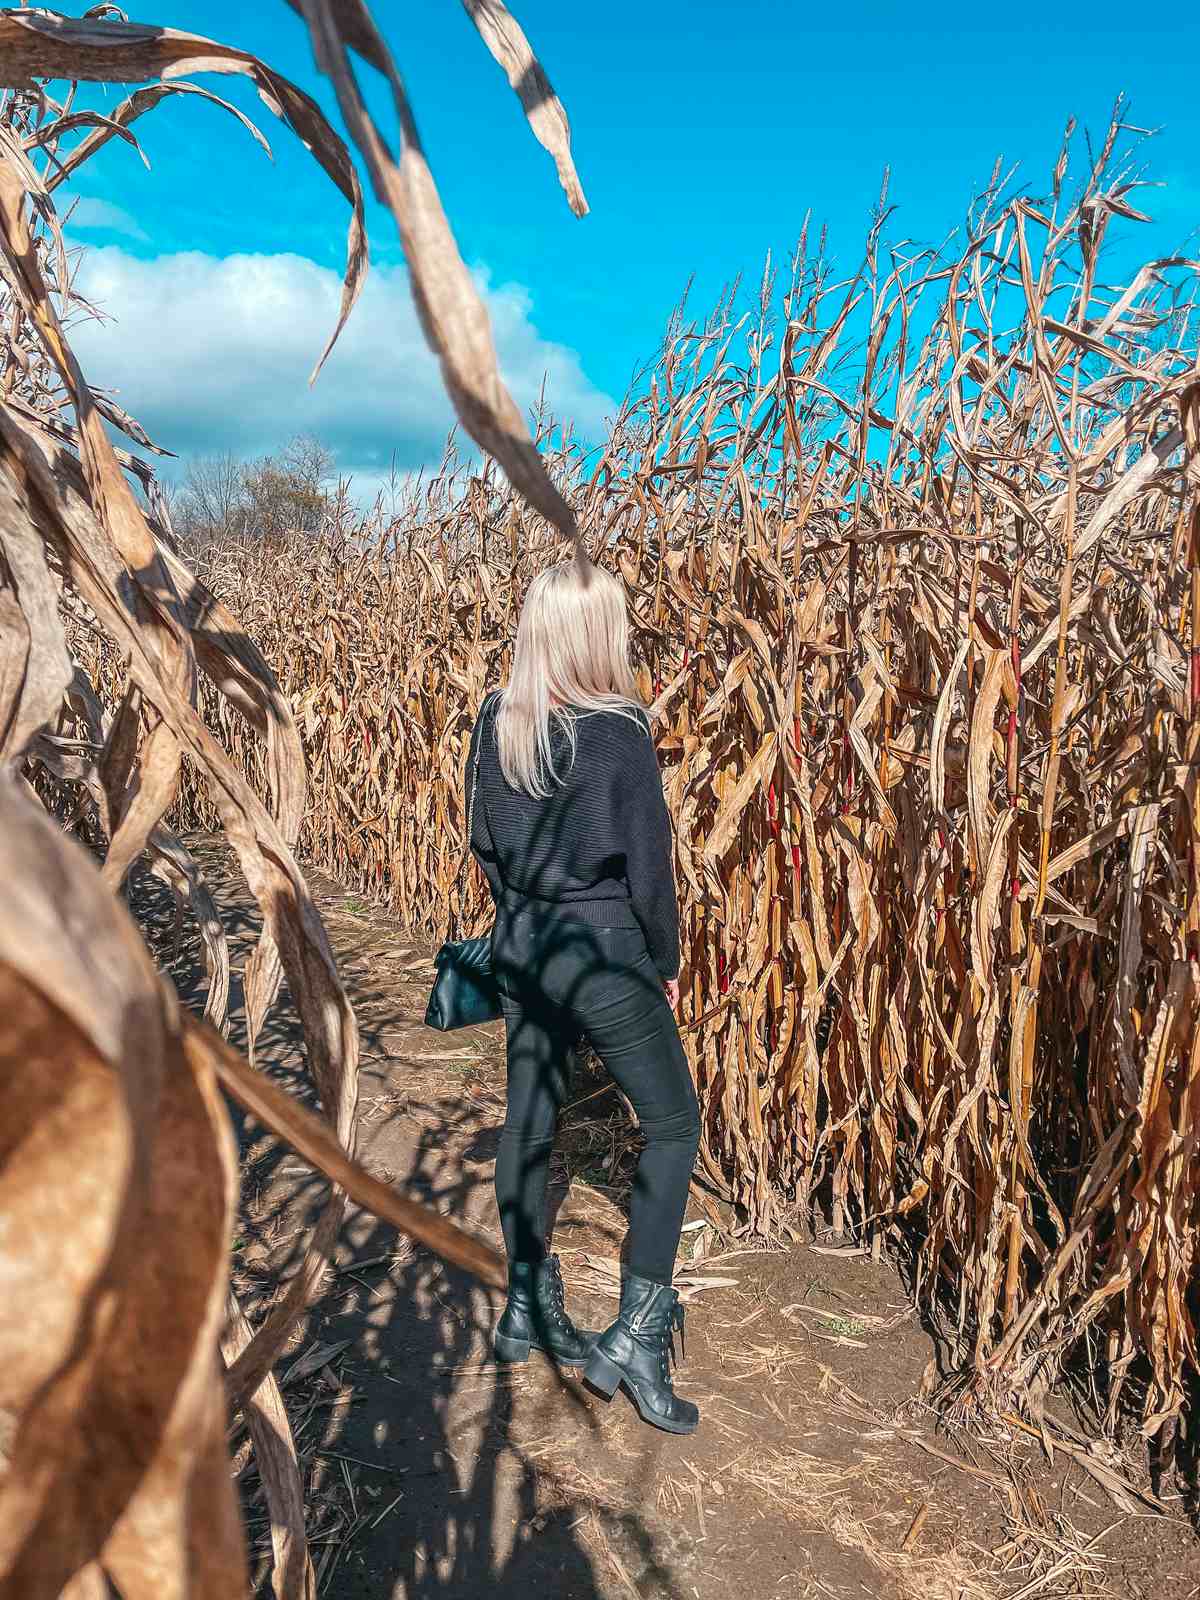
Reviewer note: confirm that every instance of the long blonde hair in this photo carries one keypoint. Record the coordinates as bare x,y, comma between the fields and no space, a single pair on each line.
571,656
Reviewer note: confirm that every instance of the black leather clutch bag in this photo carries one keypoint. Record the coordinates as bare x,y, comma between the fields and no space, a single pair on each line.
464,991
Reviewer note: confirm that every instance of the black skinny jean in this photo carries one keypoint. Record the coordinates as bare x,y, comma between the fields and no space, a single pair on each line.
560,979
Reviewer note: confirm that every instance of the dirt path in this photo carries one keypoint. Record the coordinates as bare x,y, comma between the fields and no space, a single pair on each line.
430,1472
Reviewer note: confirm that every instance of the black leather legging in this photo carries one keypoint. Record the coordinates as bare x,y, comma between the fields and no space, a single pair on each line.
560,979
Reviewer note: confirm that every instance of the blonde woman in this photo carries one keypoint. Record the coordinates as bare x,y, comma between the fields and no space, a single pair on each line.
571,828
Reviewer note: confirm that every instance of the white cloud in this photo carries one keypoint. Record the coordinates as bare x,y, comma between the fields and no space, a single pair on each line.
89,213
213,353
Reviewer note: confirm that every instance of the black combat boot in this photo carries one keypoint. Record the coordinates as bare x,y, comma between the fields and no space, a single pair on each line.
636,1351
535,1318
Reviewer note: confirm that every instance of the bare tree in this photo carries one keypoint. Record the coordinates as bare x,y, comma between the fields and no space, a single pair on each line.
225,500
212,500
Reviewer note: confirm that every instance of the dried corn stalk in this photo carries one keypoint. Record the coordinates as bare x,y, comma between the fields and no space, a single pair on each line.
117,1170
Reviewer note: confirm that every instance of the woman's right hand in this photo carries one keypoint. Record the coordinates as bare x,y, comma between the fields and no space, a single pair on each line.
671,986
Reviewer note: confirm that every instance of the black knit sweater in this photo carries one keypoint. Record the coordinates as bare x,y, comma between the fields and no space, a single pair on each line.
598,849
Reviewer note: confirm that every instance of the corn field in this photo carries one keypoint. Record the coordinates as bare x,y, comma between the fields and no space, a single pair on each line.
914,559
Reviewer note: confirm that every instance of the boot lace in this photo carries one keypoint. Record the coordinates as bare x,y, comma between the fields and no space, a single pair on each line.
667,1353
557,1307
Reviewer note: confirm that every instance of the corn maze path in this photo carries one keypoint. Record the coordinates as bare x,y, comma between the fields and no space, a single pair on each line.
817,1472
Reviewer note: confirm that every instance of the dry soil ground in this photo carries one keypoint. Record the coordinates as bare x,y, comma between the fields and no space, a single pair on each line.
817,1470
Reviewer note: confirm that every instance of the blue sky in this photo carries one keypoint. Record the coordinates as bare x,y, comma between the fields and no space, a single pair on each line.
703,132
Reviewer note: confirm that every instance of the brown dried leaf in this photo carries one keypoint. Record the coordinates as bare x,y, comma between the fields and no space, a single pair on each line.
502,34
117,1175
107,50
35,668
292,1577
452,314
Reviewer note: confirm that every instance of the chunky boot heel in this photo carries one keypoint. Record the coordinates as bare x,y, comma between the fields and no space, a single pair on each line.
603,1376
636,1351
535,1317
511,1352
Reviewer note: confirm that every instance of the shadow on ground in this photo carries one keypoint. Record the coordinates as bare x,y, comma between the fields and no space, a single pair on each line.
430,1470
